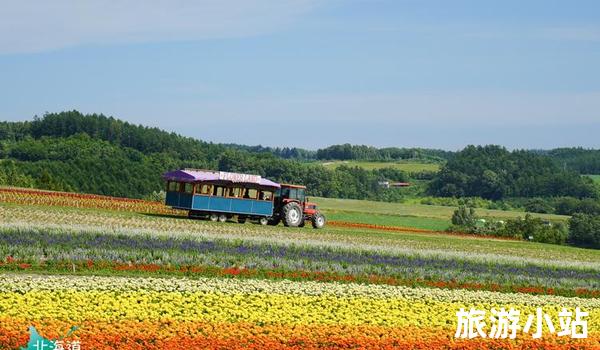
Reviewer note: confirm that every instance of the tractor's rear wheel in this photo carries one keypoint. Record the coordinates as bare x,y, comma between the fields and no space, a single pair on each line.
318,220
292,214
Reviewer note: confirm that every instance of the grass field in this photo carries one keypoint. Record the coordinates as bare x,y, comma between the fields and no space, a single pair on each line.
414,210
435,224
408,166
596,178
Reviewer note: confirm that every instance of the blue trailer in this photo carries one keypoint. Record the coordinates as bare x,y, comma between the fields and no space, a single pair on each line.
219,195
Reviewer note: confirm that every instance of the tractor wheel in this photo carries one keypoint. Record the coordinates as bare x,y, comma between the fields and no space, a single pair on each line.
263,221
214,217
292,214
303,223
242,219
318,220
222,218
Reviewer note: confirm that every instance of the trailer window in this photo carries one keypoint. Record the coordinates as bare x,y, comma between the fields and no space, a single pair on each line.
173,186
188,188
265,195
250,193
218,191
235,192
205,189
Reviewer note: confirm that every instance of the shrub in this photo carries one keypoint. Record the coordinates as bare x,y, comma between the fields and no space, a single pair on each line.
464,217
535,229
475,202
555,233
529,228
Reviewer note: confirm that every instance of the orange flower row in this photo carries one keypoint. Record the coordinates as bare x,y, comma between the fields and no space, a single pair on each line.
196,335
80,200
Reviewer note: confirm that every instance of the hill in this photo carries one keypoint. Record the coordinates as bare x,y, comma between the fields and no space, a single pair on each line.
93,153
102,155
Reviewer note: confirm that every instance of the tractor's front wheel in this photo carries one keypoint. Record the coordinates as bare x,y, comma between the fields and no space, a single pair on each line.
318,220
292,214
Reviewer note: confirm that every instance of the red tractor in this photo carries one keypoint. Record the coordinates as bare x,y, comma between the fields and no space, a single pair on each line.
293,208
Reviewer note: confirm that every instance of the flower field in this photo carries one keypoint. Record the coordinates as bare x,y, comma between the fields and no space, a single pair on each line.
141,278
112,309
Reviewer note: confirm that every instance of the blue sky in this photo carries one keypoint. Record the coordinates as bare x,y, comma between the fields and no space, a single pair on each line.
443,74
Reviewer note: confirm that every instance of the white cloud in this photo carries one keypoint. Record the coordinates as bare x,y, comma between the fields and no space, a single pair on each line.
33,26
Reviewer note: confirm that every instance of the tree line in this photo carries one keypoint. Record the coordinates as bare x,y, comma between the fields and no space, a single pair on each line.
492,172
98,154
369,153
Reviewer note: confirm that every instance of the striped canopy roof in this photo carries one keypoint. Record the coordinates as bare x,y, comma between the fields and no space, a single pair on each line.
196,175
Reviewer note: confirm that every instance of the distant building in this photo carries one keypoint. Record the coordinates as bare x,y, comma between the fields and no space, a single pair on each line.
388,184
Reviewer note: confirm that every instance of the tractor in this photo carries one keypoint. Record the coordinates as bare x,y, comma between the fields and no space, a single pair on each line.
291,206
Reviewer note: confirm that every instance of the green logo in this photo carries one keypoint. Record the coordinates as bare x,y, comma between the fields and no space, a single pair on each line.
37,342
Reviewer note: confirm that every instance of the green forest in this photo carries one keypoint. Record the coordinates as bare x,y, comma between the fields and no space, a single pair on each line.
94,153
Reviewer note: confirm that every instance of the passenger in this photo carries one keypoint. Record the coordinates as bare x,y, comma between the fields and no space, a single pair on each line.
247,193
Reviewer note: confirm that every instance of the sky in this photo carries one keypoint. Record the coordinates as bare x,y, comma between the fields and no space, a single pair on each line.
312,73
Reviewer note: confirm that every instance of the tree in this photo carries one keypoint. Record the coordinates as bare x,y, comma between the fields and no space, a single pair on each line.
539,205
584,230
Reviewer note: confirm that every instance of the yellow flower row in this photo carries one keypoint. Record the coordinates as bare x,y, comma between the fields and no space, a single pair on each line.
256,308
